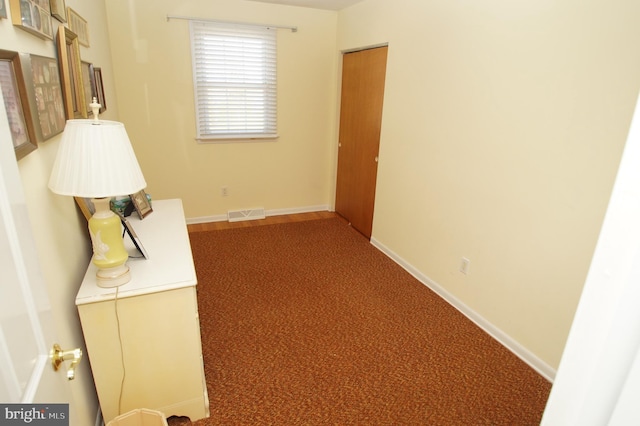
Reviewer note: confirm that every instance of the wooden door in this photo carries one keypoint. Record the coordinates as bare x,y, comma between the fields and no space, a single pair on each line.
363,77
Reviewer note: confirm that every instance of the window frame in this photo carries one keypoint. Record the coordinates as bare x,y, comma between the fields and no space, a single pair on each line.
235,92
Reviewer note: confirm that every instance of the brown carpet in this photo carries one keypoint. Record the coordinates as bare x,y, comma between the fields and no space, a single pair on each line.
308,324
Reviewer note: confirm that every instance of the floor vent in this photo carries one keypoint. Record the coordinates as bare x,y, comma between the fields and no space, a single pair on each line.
240,215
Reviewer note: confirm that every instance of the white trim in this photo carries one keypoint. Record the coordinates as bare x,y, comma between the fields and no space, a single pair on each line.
308,209
206,219
273,212
360,49
520,351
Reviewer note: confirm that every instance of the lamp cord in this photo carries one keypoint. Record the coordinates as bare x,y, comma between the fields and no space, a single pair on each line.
124,371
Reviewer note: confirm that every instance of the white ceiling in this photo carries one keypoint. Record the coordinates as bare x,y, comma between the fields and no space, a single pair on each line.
315,4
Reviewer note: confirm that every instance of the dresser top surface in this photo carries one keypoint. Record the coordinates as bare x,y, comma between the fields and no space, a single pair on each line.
164,235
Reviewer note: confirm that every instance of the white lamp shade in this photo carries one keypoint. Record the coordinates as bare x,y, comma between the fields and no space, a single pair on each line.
95,159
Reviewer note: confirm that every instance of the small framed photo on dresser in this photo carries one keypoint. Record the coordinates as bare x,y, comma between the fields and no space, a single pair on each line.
141,203
134,237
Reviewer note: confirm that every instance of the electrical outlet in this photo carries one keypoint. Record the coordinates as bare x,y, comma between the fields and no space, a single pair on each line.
224,191
464,265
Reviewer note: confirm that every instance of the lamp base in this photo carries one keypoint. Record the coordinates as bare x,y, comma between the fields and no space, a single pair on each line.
113,277
109,254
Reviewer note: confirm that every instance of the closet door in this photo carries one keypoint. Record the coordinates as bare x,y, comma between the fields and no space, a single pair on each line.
363,78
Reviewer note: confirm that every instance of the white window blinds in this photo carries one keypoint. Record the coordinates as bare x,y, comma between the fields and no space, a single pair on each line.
234,70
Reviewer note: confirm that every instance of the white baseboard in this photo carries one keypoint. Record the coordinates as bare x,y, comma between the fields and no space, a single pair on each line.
273,212
520,351
308,209
206,219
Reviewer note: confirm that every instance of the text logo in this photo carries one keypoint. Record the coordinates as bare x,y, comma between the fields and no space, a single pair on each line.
34,414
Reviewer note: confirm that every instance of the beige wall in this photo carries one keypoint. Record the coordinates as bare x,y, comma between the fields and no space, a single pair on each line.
503,127
61,239
502,131
152,65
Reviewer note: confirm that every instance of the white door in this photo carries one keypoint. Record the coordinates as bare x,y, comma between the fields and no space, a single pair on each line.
26,333
598,380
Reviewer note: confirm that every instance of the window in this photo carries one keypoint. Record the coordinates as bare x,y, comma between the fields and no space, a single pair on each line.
234,74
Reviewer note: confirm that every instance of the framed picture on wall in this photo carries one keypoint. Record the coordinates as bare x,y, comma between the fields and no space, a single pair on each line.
3,9
89,86
15,103
58,8
71,73
44,92
97,75
33,16
78,25
86,206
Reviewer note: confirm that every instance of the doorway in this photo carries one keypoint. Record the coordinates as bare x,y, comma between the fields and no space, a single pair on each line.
363,80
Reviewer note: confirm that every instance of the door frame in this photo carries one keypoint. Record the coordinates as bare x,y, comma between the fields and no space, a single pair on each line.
336,145
334,152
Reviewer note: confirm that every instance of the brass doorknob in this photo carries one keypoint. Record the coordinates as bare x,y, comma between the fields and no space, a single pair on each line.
58,356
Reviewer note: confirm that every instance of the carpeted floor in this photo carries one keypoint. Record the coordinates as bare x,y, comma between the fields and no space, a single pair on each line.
308,324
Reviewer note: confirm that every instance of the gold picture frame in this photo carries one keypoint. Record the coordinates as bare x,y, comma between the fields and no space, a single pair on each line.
71,73
16,104
44,92
97,74
33,16
86,206
78,25
58,8
88,86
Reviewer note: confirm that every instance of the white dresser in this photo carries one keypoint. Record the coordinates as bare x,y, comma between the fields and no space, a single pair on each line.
147,332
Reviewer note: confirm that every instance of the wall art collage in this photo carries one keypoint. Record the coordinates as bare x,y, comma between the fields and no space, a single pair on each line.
40,93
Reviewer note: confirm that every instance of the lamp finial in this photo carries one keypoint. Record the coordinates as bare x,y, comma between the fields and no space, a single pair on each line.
95,108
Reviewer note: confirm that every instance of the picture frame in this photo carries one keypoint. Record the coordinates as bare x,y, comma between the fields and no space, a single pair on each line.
78,25
71,73
86,207
44,92
15,100
134,237
141,204
33,16
3,9
89,86
58,8
97,76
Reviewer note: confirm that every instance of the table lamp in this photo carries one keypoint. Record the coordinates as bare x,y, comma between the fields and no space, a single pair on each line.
95,160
